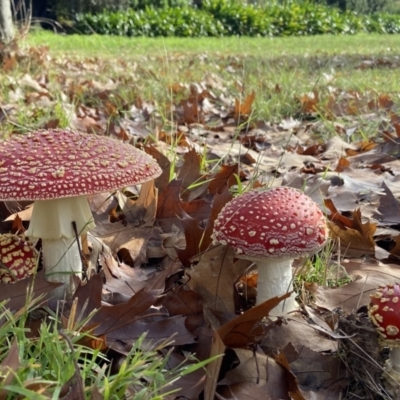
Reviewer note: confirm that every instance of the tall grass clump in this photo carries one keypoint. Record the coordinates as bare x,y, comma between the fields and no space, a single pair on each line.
52,360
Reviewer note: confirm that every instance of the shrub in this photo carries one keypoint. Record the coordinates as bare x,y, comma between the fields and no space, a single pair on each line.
185,22
239,19
67,8
142,4
223,17
277,18
384,23
359,6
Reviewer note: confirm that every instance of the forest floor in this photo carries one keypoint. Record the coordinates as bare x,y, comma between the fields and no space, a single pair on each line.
222,116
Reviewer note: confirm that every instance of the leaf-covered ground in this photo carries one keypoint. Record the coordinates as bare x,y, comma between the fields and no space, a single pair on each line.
217,126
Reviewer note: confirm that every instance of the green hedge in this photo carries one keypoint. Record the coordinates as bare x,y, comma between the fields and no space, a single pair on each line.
225,18
359,6
185,22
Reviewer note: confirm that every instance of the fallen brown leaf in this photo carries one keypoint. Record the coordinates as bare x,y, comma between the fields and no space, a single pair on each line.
16,293
214,277
246,329
354,237
256,374
9,367
367,276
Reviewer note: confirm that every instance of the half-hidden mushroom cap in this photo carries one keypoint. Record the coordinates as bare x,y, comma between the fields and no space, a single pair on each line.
384,312
275,223
18,258
58,163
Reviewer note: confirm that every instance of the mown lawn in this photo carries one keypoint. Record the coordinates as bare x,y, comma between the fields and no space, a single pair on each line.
111,46
278,70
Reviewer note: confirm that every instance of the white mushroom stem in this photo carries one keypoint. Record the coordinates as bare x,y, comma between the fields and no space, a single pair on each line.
394,360
392,373
51,221
275,278
62,258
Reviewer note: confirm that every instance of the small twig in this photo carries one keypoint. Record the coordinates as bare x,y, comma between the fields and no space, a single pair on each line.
256,362
78,242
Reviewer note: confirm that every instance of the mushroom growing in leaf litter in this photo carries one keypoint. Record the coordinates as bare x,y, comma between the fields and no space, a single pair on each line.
18,258
58,169
384,313
272,228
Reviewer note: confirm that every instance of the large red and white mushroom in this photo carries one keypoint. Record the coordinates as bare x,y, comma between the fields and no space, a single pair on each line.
18,258
272,228
384,312
58,169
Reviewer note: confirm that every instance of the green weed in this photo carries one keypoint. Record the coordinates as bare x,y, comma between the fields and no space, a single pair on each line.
53,360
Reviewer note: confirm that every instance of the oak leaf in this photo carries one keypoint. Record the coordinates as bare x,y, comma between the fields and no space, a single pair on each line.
354,237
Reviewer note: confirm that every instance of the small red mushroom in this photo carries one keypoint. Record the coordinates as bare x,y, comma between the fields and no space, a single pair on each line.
384,312
272,227
18,258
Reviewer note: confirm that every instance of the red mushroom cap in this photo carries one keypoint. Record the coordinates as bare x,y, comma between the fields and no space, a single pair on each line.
279,222
58,163
384,312
18,258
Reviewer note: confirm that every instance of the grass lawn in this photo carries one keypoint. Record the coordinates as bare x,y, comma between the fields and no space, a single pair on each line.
294,65
263,48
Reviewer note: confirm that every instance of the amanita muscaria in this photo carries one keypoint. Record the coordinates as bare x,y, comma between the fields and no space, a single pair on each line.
272,228
384,312
58,169
18,258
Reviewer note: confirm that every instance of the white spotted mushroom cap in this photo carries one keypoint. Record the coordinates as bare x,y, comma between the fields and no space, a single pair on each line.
18,258
384,312
275,223
58,163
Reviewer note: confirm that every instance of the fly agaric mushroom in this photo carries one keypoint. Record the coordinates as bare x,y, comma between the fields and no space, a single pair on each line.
58,169
384,312
18,258
272,228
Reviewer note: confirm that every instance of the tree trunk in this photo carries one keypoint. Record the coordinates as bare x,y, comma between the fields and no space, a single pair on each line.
6,22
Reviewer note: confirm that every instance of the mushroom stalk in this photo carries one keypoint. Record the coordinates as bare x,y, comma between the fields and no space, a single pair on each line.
394,360
392,373
52,222
275,278
62,260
